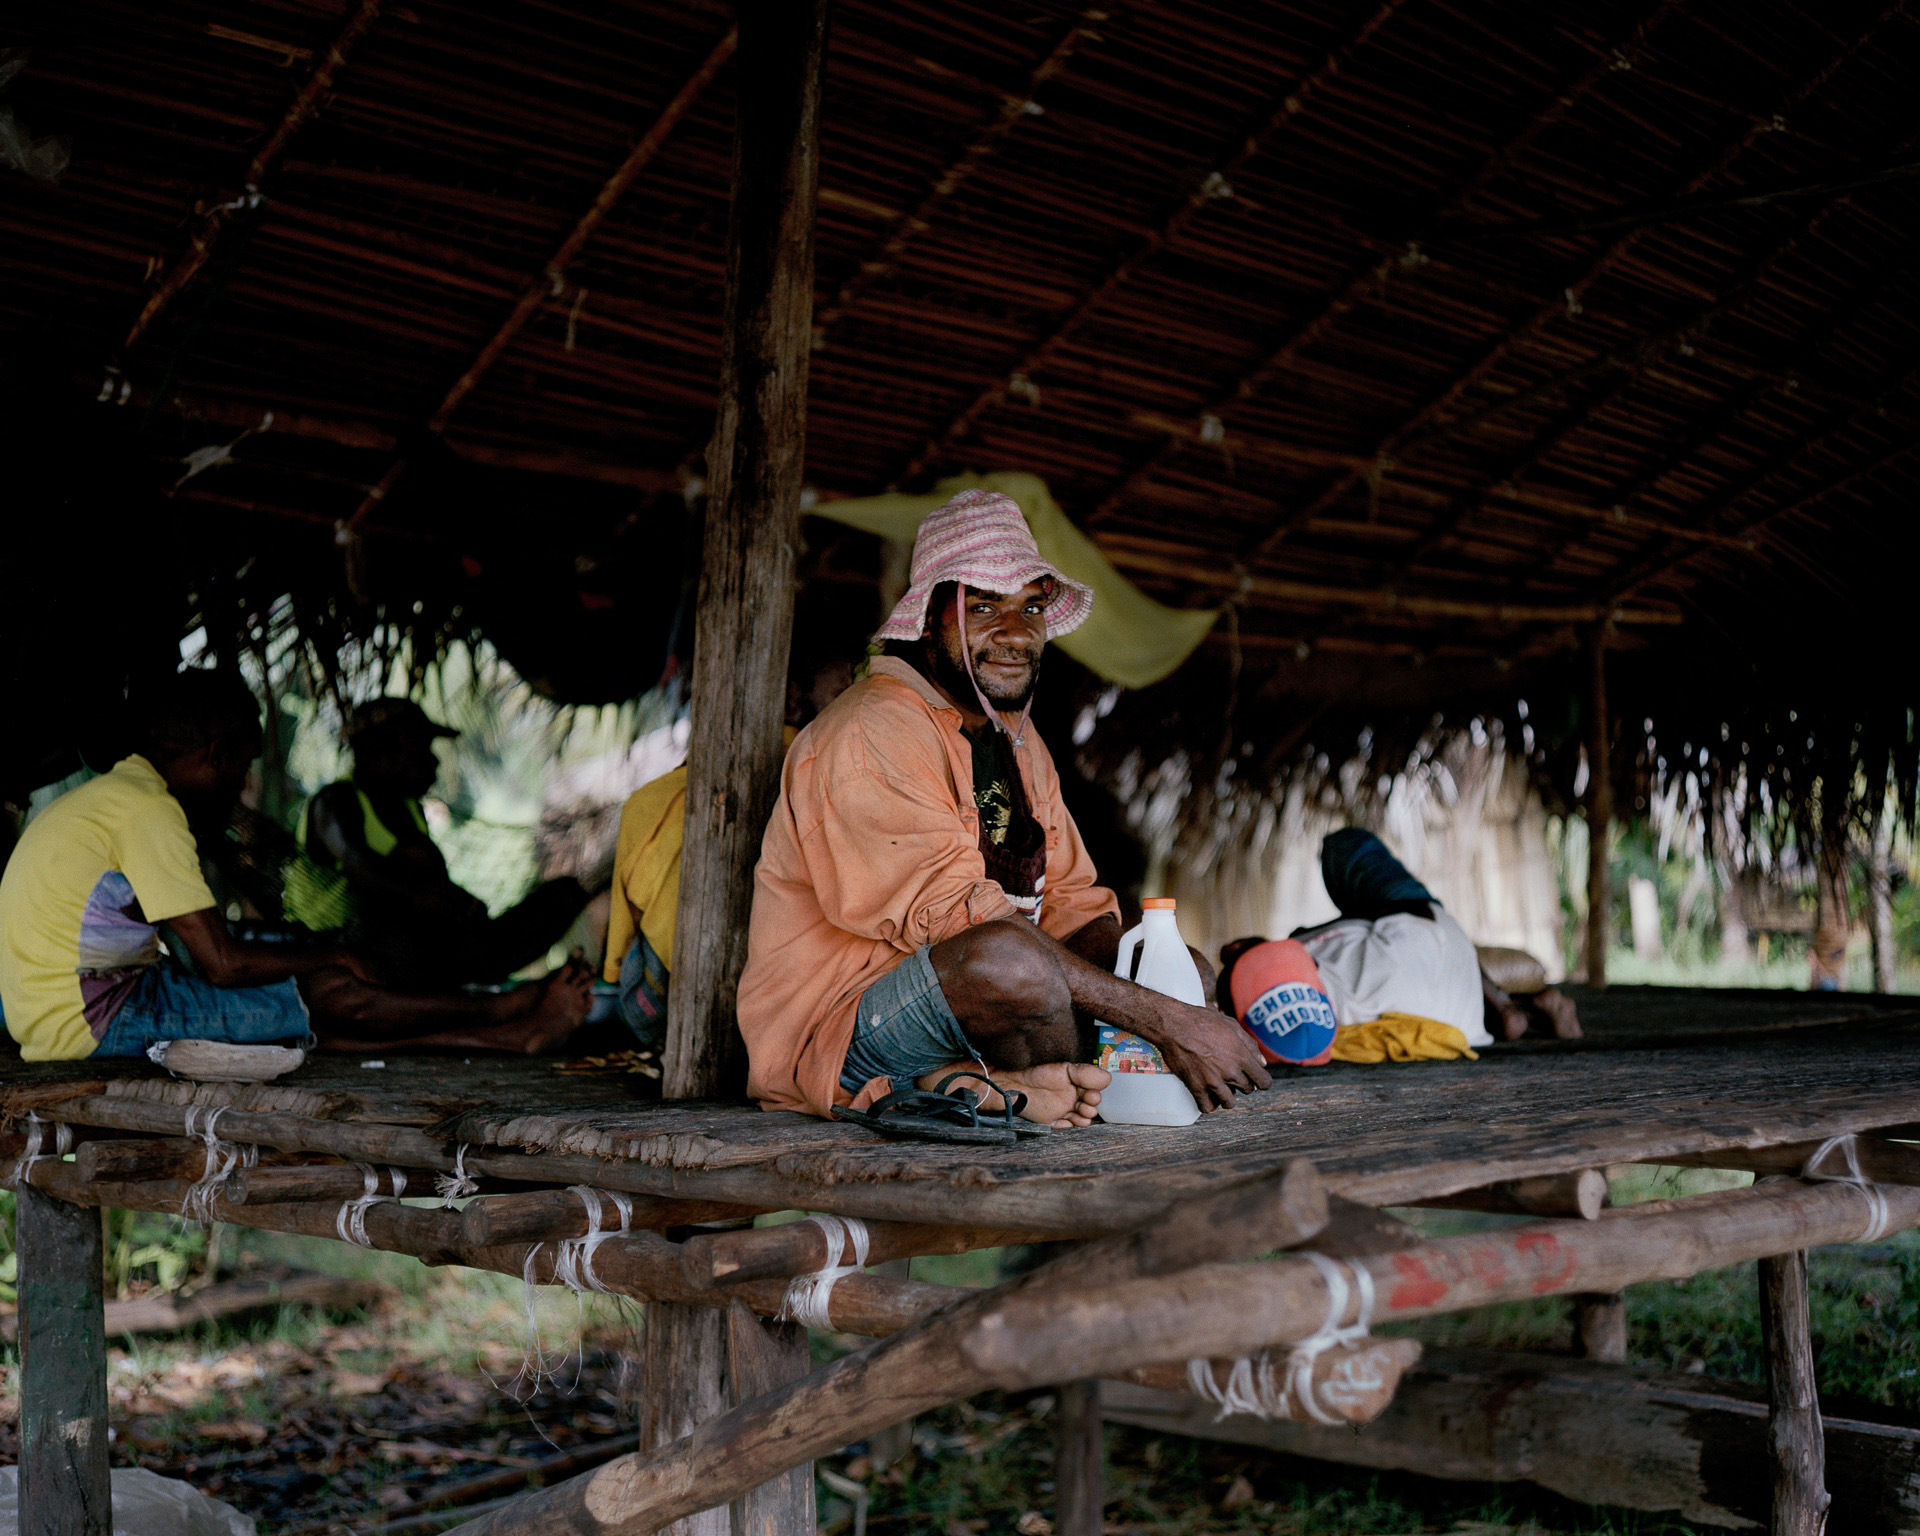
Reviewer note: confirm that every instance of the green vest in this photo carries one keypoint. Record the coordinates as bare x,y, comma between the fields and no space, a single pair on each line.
317,893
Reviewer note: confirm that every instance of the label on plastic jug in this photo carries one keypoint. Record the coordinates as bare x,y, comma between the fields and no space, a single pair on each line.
1124,1052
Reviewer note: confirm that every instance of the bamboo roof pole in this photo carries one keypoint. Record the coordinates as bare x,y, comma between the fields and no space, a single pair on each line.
553,276
1216,186
1669,558
1633,362
1373,277
1667,563
1715,422
1014,110
1558,306
742,629
304,107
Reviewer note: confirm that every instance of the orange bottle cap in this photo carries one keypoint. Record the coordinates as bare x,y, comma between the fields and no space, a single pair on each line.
1159,904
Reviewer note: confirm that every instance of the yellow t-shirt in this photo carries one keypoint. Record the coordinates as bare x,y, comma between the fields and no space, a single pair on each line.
93,874
646,868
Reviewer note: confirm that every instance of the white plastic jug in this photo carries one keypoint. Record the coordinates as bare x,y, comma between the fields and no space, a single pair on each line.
1152,1097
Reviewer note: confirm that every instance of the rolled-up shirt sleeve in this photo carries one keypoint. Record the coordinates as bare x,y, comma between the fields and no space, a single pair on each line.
887,854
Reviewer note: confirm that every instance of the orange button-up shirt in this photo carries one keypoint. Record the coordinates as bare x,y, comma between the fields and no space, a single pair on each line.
873,851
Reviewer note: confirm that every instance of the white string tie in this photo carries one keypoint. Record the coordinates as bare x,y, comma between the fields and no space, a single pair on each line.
31,1154
1253,1387
1849,1149
456,1185
222,1158
808,1295
573,1257
351,1223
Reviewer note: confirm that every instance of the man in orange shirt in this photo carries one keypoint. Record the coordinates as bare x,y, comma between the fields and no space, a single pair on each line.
923,901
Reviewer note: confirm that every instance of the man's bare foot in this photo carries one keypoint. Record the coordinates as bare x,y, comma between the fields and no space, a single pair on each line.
1062,1094
1513,1022
1557,1006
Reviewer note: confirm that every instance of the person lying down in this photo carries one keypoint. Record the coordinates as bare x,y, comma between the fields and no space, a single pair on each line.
924,905
1394,952
95,875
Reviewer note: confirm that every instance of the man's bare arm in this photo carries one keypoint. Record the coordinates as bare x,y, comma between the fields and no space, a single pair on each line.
1211,1054
229,962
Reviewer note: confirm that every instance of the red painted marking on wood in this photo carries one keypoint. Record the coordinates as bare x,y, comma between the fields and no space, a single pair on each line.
1489,1266
1545,1251
1417,1288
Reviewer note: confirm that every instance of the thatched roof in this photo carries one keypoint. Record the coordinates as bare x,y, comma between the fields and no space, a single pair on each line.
1424,334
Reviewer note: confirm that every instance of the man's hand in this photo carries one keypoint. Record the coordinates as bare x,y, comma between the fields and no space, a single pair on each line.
1208,1052
345,959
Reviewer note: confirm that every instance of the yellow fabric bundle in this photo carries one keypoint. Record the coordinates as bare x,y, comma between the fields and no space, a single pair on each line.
1400,1037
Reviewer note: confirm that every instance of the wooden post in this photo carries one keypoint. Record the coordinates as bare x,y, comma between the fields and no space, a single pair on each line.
1599,809
886,1446
766,1356
1079,1460
1795,1438
743,626
1600,1327
64,1490
744,622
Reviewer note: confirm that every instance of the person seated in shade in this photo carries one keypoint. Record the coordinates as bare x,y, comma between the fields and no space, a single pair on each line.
370,873
646,860
1394,950
923,901
100,870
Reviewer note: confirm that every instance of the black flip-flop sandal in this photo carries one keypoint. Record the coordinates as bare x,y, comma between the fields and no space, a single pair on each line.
1012,1102
915,1114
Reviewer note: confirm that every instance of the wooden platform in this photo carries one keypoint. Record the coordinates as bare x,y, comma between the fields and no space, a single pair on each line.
1662,1072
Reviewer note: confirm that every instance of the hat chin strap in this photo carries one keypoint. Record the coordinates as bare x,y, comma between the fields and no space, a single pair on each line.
966,660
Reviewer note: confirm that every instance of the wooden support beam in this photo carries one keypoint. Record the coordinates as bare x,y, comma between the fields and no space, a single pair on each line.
801,1247
742,630
1600,1327
1079,1460
311,98
340,1181
1422,427
546,1215
1372,279
1691,1447
1880,1161
745,616
552,279
64,1490
1794,1435
1582,1194
767,1355
1599,808
1216,186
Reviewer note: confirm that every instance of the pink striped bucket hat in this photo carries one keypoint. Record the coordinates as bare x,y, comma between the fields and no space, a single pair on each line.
981,539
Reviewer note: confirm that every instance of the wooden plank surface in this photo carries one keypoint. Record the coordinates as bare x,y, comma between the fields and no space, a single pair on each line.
1664,1072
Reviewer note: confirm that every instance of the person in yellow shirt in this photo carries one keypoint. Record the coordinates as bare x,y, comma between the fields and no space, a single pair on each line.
646,899
83,968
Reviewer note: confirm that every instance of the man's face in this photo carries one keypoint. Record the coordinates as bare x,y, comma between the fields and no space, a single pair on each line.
400,760
207,781
1005,634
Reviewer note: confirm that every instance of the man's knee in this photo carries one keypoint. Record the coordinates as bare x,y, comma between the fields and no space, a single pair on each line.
1002,971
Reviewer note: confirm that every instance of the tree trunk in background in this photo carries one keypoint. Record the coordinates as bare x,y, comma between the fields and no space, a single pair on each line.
743,627
1827,956
744,622
1599,810
1880,899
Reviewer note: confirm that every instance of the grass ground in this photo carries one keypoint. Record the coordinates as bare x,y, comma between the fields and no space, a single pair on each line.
328,1424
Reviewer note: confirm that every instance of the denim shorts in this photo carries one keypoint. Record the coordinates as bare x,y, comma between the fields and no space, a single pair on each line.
168,1004
904,1028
